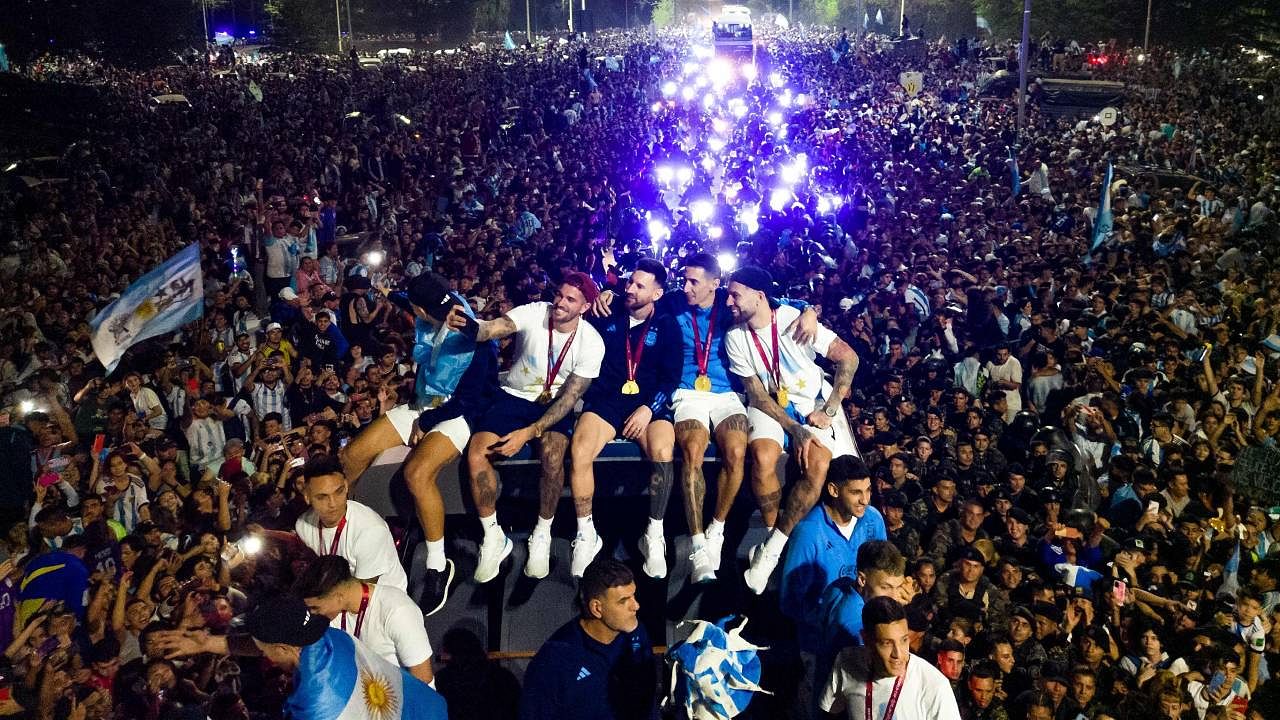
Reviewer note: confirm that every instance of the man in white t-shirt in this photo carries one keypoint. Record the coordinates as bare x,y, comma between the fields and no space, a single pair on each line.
791,406
556,358
1006,374
146,403
382,617
903,686
337,526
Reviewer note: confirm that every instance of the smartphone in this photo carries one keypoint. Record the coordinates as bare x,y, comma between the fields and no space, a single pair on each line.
297,462
471,328
99,444
343,442
1153,508
49,479
1216,683
1120,589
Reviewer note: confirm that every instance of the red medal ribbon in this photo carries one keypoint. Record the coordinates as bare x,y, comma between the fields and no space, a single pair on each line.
333,547
364,605
703,354
633,365
554,370
775,371
893,697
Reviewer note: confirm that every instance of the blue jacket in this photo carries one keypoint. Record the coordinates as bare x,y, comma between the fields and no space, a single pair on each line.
573,677
818,554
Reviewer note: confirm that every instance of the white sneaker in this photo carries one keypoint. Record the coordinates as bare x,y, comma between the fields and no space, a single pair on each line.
654,550
539,562
715,544
703,572
763,563
495,548
584,551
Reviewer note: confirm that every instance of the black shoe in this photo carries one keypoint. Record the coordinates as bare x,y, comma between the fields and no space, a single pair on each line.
435,589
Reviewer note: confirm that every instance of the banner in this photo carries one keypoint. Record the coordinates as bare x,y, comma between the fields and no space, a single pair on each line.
159,302
911,81
1103,222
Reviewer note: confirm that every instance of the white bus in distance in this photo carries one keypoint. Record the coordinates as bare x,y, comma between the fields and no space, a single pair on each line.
731,33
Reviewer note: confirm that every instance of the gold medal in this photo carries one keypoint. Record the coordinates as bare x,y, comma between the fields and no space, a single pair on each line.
781,395
702,384
630,387
545,398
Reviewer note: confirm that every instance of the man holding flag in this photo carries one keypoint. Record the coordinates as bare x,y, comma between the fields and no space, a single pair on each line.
335,675
1103,221
162,301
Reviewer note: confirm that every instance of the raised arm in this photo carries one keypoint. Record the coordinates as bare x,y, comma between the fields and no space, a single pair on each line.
495,329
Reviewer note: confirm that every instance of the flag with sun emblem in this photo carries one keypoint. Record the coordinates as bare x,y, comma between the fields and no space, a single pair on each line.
159,302
339,678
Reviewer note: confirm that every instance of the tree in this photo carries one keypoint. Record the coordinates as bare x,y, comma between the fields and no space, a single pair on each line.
303,24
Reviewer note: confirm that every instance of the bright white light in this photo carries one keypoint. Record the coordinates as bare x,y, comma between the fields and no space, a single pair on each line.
775,117
1261,98
665,174
708,101
802,99
727,261
749,72
669,88
658,230
791,174
750,219
375,258
701,82
26,406
731,191
779,199
700,210
251,544
720,72
657,107
690,67
776,79
785,98
824,205
687,93
836,201
720,125
715,232
740,110
715,144
684,174
1142,57
708,163
702,51
11,167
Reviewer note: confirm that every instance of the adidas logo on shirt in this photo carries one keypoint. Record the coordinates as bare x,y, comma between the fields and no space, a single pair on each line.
583,674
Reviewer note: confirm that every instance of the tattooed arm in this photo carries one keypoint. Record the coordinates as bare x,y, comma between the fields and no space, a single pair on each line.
495,329
572,390
570,393
846,362
758,398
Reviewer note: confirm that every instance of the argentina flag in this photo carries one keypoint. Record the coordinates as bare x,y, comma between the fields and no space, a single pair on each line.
1016,179
1103,222
714,672
159,302
339,678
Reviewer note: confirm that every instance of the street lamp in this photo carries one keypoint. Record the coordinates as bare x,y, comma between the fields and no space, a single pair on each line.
1022,64
1146,34
337,14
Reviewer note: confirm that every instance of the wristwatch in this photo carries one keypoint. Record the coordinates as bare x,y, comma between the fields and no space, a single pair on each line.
830,411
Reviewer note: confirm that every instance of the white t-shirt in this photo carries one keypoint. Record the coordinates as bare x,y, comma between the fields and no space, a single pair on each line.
529,370
1010,371
926,694
800,374
146,399
393,627
365,542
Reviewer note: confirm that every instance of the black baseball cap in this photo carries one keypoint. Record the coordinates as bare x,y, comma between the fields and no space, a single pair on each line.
754,277
1020,515
430,291
286,620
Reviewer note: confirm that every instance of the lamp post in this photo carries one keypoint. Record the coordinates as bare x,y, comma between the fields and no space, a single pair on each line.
337,14
1146,34
528,22
351,36
1022,64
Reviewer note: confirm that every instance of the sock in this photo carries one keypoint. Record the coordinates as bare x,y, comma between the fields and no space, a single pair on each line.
543,527
699,541
715,528
586,527
655,528
490,525
776,542
435,554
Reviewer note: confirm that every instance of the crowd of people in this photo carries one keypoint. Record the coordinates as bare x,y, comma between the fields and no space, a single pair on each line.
1004,490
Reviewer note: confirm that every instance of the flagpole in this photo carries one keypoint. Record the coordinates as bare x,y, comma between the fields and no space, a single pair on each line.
1146,34
528,22
1022,64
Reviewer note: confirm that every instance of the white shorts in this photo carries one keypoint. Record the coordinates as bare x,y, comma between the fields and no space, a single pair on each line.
835,438
404,418
707,408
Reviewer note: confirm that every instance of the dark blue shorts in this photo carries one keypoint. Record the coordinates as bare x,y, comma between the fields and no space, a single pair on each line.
615,408
509,413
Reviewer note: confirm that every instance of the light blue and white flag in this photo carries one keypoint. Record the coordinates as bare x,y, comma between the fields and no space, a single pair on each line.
1078,576
866,19
159,302
1231,574
339,678
879,17
1016,178
507,42
714,672
1103,222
